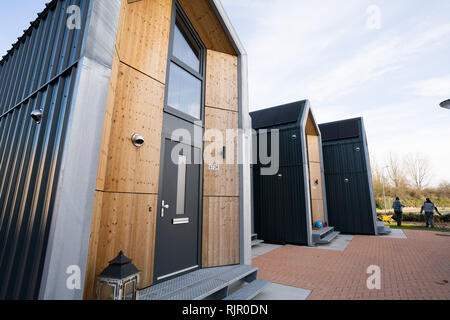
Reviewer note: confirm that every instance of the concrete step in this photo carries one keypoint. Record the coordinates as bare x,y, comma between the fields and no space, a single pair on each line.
249,291
383,229
328,238
204,284
319,234
256,242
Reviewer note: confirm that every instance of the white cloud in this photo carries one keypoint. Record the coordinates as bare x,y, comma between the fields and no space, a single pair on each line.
374,60
284,38
434,87
323,51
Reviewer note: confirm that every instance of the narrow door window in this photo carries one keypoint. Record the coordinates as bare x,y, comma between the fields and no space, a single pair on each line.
181,185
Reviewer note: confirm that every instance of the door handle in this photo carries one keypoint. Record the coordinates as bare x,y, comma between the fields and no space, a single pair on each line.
163,207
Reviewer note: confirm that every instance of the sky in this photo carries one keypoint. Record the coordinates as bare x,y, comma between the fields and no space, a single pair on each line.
387,61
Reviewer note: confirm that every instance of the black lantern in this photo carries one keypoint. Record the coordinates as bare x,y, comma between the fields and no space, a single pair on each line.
446,104
119,281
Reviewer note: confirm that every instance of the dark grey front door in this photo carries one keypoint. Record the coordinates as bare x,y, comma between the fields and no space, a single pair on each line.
177,230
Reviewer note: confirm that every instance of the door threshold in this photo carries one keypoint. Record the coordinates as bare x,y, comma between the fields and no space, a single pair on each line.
175,273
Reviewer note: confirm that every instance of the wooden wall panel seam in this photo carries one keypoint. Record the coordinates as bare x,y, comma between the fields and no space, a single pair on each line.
144,36
142,72
221,109
138,109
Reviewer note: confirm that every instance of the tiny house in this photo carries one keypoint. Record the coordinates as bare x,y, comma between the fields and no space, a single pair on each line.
348,178
104,106
289,202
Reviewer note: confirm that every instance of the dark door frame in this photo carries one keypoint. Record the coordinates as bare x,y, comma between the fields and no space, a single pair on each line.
189,123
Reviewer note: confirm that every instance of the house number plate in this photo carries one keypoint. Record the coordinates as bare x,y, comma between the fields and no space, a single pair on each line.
214,167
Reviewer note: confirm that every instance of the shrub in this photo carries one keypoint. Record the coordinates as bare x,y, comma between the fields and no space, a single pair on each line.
415,217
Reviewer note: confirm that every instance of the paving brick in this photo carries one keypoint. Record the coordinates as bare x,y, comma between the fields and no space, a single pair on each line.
413,268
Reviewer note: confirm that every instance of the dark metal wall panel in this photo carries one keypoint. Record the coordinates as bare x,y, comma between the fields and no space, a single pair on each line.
39,72
290,147
344,157
279,200
30,154
347,184
280,209
349,207
46,49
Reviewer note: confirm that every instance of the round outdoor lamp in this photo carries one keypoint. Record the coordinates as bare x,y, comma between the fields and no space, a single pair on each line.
445,104
119,281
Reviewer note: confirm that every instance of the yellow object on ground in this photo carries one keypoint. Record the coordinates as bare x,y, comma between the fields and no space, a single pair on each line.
387,218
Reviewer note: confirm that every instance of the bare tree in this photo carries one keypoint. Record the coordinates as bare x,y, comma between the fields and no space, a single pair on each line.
396,172
418,170
377,177
444,185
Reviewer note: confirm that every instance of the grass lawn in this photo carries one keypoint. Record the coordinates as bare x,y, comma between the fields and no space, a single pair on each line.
411,226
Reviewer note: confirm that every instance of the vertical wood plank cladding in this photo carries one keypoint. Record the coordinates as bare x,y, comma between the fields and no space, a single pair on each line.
221,188
310,127
313,149
224,182
207,25
144,36
110,103
91,264
121,222
138,108
318,211
127,181
222,81
221,231
315,174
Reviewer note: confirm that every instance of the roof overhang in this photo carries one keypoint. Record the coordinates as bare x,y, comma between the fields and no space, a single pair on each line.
224,20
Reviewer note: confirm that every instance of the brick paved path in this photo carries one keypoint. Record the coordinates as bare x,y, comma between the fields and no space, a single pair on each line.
413,268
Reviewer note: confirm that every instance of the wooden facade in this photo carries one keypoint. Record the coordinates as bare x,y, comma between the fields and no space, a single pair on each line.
315,171
126,195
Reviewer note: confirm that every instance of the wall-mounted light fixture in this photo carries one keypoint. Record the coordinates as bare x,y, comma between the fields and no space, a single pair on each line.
445,104
36,115
137,140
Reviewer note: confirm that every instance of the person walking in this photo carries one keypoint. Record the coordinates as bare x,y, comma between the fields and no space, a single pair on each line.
398,211
429,209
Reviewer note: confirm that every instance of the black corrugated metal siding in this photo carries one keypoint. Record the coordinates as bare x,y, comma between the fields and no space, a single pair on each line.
349,203
279,202
40,72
